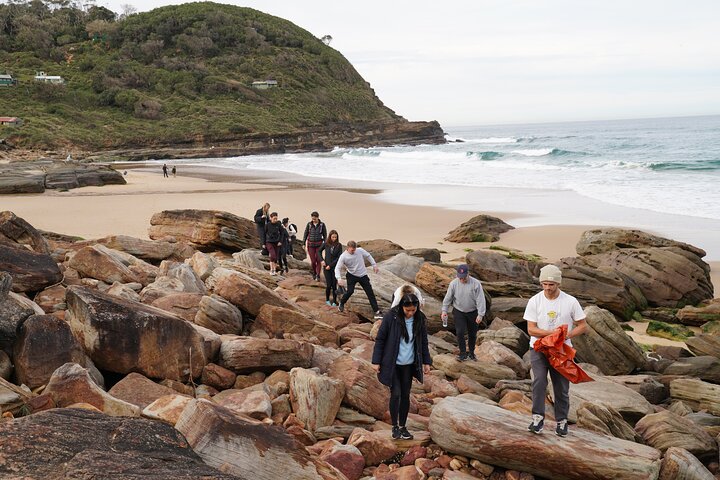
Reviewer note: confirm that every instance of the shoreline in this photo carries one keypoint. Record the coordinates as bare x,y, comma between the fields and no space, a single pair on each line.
370,211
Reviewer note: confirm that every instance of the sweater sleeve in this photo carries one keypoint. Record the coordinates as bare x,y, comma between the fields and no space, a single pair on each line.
427,359
338,267
480,300
449,296
320,251
368,257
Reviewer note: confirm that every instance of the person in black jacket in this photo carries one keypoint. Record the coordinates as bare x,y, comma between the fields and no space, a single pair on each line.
313,238
284,250
261,219
273,240
329,252
401,353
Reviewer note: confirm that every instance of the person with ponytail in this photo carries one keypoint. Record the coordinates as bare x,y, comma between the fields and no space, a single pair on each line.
401,353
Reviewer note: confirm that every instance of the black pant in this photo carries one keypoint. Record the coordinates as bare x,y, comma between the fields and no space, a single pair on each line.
400,393
465,324
330,284
261,233
365,284
282,258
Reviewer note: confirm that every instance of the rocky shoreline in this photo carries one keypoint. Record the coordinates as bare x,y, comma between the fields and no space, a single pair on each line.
183,347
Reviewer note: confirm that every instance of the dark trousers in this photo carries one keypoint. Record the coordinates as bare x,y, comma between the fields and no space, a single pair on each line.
314,260
330,284
261,233
365,284
561,387
465,324
400,394
282,258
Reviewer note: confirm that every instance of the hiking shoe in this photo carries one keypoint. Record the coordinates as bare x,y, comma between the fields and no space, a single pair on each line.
562,428
334,304
328,303
462,357
378,315
537,424
341,307
396,432
472,356
404,434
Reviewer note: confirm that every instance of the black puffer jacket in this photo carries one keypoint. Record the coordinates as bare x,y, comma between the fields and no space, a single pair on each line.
273,232
330,254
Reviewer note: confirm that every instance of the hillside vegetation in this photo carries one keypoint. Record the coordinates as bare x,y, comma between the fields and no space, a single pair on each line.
177,74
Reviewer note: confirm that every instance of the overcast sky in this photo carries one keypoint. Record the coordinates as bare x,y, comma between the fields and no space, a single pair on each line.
477,62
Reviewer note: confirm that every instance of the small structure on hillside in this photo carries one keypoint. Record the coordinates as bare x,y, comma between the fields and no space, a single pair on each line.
264,84
7,80
44,77
10,121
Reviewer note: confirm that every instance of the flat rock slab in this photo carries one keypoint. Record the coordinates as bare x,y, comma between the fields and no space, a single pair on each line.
498,437
30,271
204,229
80,444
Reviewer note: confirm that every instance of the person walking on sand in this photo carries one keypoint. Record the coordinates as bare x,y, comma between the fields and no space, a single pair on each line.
545,313
165,174
401,353
313,238
273,240
261,218
329,253
467,298
174,171
353,259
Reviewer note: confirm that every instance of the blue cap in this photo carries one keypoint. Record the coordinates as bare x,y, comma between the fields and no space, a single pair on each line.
462,271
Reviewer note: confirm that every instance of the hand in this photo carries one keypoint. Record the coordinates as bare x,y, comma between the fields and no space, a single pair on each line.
376,368
375,269
341,282
279,244
327,267
426,369
478,320
443,316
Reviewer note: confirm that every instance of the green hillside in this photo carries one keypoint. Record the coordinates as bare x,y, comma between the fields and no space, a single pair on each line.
177,74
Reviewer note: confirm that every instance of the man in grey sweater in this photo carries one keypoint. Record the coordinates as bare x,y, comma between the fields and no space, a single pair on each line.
353,258
467,298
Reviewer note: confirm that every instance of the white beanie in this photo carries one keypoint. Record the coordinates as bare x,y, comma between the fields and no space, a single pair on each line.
550,273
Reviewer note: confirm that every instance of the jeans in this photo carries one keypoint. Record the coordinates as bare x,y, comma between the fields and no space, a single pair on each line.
365,284
465,324
400,394
561,387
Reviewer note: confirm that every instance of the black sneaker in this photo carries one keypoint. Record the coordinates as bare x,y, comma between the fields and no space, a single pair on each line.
562,428
396,432
341,307
404,434
472,356
462,357
537,424
378,315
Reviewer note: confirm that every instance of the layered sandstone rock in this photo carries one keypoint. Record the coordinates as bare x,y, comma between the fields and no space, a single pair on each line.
481,228
204,229
315,398
246,354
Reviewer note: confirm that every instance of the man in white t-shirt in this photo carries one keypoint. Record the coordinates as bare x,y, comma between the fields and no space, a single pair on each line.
545,313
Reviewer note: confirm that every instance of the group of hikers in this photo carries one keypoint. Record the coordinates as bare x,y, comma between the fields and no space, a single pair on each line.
401,350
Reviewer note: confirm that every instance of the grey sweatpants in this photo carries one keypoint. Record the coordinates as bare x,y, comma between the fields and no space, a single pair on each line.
561,387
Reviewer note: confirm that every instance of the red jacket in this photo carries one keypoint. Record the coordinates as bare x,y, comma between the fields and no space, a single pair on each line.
561,356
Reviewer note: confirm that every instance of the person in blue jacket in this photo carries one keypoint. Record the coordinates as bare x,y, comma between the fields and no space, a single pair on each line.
401,353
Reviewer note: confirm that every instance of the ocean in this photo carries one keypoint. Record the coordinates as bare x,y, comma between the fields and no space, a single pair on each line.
659,174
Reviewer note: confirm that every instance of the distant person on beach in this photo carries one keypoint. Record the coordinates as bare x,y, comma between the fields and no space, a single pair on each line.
261,218
406,289
292,232
174,171
284,249
467,298
329,254
353,259
273,241
313,238
545,313
401,352
165,171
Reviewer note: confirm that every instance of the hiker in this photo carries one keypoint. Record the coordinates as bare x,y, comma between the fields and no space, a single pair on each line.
292,232
261,218
467,298
353,259
174,171
283,250
273,240
401,353
313,238
329,253
545,313
165,171
406,289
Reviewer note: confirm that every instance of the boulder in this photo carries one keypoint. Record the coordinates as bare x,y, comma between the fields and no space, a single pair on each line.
434,278
52,299
507,308
202,264
192,283
602,240
16,230
403,265
44,344
697,316
490,266
14,309
218,377
108,265
363,391
277,321
183,305
704,367
511,289
86,444
606,345
381,249
247,354
167,408
139,390
204,229
704,344
480,228
605,420
346,458
123,337
30,271
494,352
6,366
71,384
244,292
666,429
247,449
152,251
648,386
374,446
697,394
315,398
609,289
124,291
249,258
627,402
219,315
679,464
485,373
511,337
252,403
470,429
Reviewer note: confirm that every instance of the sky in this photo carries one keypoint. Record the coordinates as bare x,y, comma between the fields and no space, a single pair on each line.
481,62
